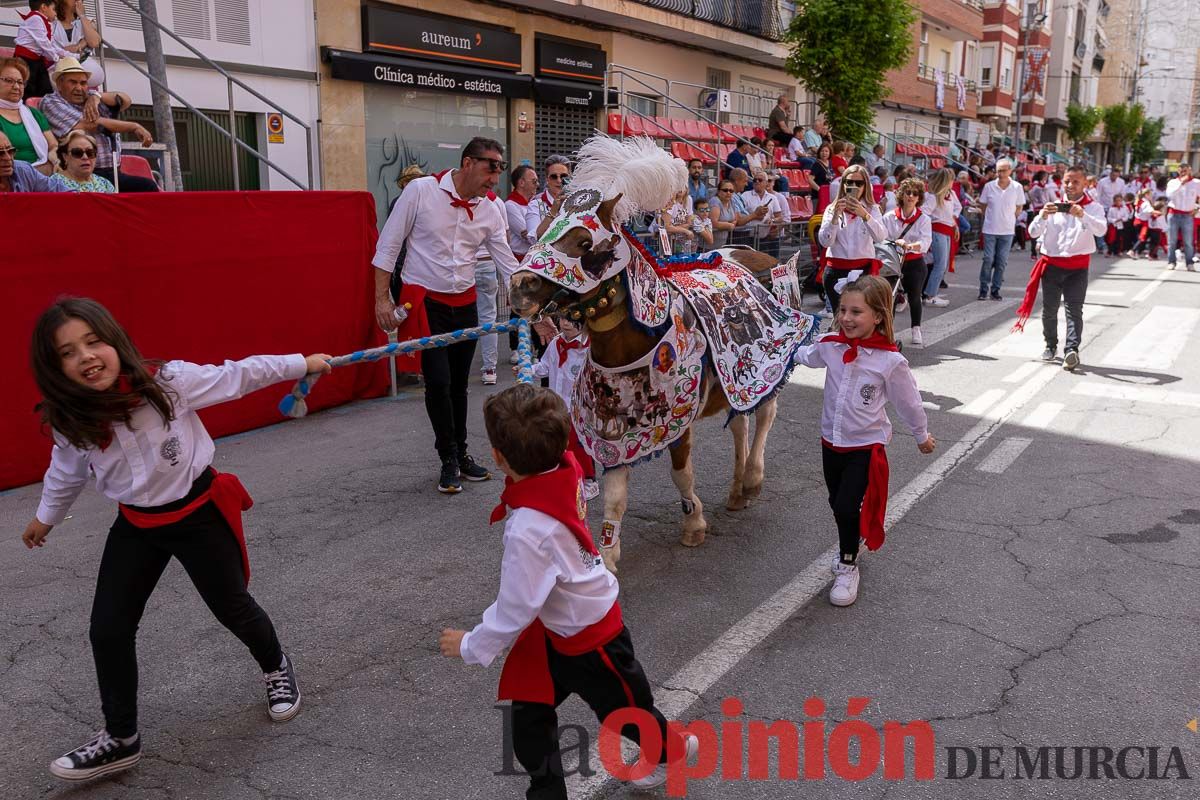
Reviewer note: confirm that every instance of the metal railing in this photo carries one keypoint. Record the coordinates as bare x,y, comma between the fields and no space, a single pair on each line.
929,72
767,19
230,81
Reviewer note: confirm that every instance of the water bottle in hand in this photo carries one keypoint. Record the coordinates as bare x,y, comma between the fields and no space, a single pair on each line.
401,312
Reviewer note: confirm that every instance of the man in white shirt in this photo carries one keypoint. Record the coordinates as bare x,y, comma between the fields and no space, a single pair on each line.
1002,200
796,148
768,227
1109,187
445,220
1068,232
1182,193
874,159
524,180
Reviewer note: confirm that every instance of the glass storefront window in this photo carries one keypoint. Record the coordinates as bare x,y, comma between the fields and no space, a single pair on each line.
425,128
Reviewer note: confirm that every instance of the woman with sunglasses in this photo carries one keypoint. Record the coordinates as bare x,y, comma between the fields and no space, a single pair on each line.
26,128
77,157
722,213
542,208
943,208
850,228
910,228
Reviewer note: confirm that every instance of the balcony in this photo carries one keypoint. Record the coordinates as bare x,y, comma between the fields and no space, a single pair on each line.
960,20
916,89
766,19
927,72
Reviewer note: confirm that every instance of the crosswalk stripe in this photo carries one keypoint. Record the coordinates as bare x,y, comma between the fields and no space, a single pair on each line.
1022,372
1138,394
1157,340
980,404
1004,455
1043,415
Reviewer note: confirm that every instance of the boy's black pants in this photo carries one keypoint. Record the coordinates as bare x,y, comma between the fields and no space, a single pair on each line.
133,560
607,678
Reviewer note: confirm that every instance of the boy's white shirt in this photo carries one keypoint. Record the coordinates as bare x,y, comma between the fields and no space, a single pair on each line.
854,412
546,574
562,379
149,463
31,34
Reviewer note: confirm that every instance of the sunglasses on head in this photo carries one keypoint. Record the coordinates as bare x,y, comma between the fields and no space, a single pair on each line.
79,152
495,164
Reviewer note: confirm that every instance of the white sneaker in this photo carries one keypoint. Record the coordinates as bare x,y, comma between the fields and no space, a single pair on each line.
939,301
917,339
902,304
845,584
512,357
659,776
591,489
489,377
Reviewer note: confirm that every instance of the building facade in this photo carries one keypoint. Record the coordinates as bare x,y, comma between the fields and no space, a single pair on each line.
1077,62
407,83
1166,82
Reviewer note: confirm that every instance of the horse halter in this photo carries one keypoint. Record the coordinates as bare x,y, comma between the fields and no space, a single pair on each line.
579,210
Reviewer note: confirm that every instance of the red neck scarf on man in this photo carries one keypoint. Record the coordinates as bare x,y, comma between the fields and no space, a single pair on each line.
518,198
559,494
876,341
564,347
458,202
1039,269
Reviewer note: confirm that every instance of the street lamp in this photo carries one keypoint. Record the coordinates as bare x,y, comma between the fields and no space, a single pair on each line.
1038,21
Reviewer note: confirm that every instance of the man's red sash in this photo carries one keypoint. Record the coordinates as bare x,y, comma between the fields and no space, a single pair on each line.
1035,282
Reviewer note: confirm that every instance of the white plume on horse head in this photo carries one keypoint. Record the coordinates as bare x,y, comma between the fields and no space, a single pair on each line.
645,175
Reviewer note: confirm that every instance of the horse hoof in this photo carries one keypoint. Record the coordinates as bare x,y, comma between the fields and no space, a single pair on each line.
736,502
692,538
752,491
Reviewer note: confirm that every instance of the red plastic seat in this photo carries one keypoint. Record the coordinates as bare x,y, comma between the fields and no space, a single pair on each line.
760,133
724,149
803,206
663,128
33,102
614,125
679,128
633,126
726,134
707,155
680,150
136,166
691,129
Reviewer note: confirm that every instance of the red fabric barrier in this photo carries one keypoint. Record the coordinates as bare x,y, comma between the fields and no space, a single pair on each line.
199,276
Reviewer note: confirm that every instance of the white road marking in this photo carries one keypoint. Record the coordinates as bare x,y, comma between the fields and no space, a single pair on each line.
1004,455
980,404
1043,415
1028,344
1149,288
1104,292
1157,340
714,662
1138,394
1022,372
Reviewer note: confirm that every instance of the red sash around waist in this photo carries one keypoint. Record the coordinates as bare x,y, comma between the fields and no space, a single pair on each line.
526,673
874,505
1035,282
868,265
226,493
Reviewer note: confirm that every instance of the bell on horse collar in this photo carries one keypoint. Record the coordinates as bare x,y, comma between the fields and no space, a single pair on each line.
602,302
591,312
612,291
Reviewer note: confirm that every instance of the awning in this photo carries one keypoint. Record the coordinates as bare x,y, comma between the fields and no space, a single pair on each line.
569,93
408,73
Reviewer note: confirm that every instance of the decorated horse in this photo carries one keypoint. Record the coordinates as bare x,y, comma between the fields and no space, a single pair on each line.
673,339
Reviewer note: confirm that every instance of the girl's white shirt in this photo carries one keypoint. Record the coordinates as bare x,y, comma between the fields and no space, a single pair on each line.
149,463
856,394
851,237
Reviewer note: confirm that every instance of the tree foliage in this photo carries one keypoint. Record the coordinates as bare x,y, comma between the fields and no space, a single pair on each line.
1081,122
1147,145
1122,123
842,51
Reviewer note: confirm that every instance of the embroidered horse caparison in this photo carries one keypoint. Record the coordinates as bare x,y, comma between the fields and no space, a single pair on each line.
670,342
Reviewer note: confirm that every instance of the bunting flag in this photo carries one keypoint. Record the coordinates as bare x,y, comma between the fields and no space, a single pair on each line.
961,99
1036,60
939,92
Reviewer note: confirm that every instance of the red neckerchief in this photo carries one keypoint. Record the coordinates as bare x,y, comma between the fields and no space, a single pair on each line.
1083,201
124,385
910,219
876,341
45,20
564,347
458,202
557,493
517,198
547,199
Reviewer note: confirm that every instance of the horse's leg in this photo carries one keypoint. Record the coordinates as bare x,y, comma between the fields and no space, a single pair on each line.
616,499
739,427
764,418
694,524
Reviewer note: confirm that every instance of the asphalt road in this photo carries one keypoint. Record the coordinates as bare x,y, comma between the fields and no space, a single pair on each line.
1039,588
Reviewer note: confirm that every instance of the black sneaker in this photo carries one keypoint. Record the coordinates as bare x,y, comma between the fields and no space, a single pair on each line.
103,755
996,296
1070,360
450,482
1048,354
983,295
470,471
283,693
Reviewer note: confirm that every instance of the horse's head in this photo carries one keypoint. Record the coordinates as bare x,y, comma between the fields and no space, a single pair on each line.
582,248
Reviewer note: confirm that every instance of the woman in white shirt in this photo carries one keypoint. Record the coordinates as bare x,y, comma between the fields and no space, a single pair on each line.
850,227
74,32
943,208
537,213
910,227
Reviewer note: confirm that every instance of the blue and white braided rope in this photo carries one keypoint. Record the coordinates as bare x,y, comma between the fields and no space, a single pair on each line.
294,405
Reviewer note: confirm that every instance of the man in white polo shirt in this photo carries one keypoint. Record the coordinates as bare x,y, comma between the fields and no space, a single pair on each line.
445,220
1001,200
1182,193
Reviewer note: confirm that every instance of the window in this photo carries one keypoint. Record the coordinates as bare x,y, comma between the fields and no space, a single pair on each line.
1075,86
987,66
642,104
1032,8
1006,67
923,52
944,61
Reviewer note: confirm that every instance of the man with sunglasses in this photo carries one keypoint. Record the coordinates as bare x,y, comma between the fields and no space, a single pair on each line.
18,176
445,219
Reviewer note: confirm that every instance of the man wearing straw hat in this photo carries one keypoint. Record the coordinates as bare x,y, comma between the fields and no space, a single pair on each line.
445,219
72,107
